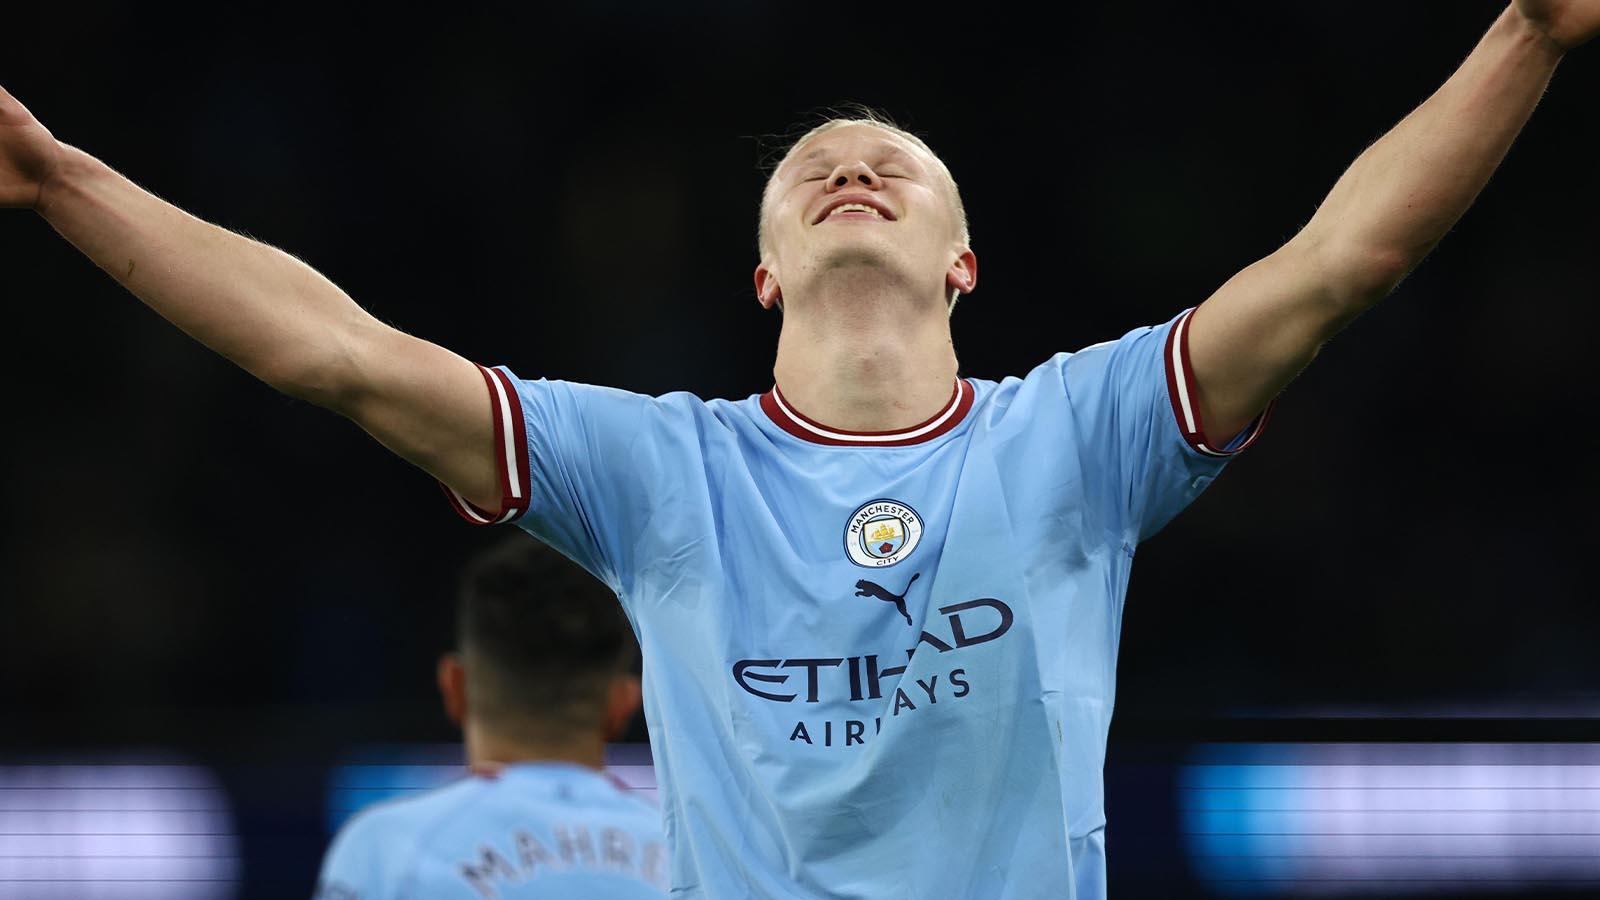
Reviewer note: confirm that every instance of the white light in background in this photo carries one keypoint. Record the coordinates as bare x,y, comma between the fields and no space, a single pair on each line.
128,832
1393,818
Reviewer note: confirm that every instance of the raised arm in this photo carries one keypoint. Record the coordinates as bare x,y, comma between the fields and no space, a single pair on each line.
260,307
1383,216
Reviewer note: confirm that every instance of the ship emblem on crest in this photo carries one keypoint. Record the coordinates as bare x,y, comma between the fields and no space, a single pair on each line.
881,533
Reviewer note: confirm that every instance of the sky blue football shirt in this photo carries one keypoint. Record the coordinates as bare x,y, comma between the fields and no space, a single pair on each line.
534,831
875,665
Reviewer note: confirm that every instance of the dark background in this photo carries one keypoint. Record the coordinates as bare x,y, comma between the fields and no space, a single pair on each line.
192,560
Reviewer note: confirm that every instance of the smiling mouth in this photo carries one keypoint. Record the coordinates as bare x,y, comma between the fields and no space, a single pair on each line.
854,210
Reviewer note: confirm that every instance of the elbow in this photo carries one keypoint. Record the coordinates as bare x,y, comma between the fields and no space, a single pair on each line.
1359,276
299,379
324,378
1380,271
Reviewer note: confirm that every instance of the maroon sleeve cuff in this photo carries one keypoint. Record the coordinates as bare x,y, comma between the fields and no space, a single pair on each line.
1184,392
511,456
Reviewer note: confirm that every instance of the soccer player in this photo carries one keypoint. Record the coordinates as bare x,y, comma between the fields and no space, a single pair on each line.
878,604
542,680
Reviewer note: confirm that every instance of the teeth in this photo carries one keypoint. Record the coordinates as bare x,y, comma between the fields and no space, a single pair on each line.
854,207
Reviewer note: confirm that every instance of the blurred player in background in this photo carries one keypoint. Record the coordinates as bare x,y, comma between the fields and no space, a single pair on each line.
880,604
542,680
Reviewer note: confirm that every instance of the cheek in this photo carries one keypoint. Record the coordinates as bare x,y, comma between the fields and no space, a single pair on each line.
783,225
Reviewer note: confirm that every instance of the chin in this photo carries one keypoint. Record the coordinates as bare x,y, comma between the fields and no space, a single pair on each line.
862,257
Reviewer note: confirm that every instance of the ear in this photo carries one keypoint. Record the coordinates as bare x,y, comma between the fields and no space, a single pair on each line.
622,703
453,687
768,293
963,272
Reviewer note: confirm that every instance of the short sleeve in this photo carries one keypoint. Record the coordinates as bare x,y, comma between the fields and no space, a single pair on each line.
1140,434
586,468
511,457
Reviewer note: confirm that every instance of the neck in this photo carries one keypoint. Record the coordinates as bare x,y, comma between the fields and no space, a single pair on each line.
866,360
488,749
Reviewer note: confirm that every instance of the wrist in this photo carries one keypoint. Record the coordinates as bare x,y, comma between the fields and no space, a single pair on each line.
66,175
1537,34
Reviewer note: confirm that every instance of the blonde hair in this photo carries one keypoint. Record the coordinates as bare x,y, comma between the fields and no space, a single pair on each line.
863,115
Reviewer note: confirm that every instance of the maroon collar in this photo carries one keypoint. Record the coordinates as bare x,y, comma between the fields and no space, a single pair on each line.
785,416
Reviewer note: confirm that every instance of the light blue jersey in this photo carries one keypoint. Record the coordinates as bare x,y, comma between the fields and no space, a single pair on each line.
534,831
875,665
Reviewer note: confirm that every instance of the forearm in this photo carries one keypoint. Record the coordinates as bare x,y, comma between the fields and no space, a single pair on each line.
1404,193
260,307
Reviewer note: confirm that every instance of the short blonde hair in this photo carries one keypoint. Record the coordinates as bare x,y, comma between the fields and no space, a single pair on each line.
862,115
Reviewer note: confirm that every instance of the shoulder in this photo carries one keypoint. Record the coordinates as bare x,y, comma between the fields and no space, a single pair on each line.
393,818
630,806
593,399
1146,341
1139,351
372,853
562,793
1080,379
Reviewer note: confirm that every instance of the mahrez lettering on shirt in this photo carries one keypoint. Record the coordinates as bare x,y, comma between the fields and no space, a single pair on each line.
863,679
575,851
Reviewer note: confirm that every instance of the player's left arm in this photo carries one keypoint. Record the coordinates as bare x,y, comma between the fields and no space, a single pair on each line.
1394,203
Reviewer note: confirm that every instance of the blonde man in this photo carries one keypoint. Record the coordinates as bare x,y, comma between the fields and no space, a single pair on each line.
879,603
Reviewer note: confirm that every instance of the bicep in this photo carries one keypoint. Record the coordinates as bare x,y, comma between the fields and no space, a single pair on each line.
1250,338
428,405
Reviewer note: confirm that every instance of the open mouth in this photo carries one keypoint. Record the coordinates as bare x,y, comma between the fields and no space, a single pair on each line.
854,209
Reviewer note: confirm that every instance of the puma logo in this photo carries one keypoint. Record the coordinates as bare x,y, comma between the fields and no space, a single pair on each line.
865,588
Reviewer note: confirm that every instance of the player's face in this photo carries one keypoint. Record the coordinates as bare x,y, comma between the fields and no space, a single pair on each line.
858,198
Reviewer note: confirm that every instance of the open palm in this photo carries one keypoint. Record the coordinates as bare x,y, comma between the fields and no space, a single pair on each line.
28,154
1567,22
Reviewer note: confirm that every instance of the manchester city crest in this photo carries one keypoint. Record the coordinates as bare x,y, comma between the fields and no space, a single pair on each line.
881,533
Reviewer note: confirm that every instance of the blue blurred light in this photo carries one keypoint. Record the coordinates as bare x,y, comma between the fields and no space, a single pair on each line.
1344,819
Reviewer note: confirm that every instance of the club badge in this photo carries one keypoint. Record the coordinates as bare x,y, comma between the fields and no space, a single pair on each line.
881,533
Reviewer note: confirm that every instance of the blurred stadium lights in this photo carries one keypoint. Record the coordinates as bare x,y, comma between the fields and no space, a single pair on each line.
123,831
1389,819
1256,819
390,771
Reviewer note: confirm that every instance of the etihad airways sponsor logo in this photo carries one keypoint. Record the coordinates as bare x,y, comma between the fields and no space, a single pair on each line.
863,678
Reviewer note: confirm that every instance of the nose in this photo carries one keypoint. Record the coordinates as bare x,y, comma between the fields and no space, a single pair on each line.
851,174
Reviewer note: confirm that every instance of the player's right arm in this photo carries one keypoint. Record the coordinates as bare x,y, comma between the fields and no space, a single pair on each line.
261,308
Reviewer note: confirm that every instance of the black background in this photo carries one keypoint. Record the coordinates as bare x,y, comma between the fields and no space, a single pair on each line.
189,559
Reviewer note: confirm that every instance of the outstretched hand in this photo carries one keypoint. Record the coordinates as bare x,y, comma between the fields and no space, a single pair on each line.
1568,23
28,154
